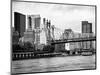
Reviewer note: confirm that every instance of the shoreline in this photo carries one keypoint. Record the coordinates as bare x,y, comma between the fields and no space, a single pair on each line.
50,55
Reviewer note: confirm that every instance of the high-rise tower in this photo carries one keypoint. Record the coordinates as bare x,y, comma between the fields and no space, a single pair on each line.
34,24
19,23
86,30
86,27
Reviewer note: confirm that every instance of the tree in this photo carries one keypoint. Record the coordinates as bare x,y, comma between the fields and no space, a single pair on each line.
17,48
28,45
48,48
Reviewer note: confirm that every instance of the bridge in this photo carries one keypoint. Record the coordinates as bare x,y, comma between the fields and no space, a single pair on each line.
82,39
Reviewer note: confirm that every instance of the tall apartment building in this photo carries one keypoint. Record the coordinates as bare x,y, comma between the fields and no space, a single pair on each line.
33,21
86,29
19,23
34,24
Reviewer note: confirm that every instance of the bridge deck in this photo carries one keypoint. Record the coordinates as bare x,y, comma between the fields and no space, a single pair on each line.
73,40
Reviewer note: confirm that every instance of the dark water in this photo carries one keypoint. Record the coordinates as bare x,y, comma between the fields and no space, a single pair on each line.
54,64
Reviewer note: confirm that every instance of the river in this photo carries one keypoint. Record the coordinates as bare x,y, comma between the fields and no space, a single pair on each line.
54,64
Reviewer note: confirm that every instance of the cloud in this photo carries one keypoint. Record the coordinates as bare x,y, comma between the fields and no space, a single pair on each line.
62,16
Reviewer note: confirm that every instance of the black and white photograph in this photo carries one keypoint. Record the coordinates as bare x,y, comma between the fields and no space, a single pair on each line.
52,37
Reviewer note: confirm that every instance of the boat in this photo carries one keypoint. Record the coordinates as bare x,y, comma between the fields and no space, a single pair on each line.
87,53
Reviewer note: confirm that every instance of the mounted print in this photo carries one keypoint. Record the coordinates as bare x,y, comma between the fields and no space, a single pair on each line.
52,37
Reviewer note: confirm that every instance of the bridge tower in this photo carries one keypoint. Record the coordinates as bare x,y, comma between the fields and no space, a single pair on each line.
52,30
47,25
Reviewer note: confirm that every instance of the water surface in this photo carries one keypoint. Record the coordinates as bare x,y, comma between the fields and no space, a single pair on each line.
53,64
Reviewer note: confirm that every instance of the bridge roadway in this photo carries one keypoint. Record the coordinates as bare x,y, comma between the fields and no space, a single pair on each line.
73,40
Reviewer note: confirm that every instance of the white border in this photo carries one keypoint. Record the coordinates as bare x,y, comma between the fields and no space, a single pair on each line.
5,37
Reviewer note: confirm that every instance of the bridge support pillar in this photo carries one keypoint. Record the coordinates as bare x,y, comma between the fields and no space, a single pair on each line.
71,53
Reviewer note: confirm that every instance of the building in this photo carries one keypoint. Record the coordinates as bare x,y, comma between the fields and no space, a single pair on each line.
75,45
86,31
29,36
69,34
34,24
59,47
33,21
19,23
66,35
86,27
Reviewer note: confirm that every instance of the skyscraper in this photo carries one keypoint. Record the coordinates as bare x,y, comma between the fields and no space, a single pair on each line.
33,21
19,23
34,24
86,27
87,30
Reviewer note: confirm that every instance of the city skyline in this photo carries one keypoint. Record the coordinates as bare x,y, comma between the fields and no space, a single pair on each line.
44,34
63,16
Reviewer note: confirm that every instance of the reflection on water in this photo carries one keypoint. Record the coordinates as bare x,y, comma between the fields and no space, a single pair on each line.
53,64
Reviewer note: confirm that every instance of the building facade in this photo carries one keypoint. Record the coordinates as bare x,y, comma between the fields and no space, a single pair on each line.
34,25
86,27
75,45
33,21
19,23
29,36
69,34
86,31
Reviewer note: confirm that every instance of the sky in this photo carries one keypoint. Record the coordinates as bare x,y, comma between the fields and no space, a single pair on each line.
62,16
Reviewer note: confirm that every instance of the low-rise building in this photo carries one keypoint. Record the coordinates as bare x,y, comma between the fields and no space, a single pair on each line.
29,36
75,45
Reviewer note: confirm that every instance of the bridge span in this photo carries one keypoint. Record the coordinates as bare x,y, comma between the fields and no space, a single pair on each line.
73,40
